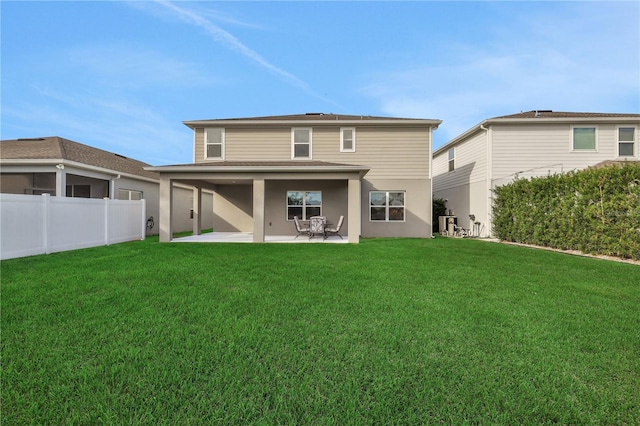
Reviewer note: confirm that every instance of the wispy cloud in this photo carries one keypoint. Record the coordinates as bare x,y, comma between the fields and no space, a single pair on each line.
537,62
124,125
127,65
201,20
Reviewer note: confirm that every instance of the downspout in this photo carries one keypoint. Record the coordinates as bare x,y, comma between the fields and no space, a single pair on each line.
430,175
489,187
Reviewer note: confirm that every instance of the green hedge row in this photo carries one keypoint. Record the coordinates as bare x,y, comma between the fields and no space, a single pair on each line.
596,211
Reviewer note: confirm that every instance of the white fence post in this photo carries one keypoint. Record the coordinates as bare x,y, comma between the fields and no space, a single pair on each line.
143,234
106,221
46,218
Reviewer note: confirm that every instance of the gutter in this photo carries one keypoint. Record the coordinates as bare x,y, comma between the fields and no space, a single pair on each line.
232,123
260,169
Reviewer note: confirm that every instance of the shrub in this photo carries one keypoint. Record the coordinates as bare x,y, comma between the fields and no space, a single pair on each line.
596,211
439,209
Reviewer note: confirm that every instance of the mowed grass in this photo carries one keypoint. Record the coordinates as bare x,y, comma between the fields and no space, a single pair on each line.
390,331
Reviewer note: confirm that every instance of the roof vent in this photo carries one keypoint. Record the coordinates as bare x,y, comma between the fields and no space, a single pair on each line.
31,139
315,113
539,112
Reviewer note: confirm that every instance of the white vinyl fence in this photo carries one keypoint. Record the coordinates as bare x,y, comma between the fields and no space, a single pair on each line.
37,224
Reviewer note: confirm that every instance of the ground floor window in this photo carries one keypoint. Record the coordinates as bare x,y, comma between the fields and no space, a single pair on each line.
304,204
129,194
386,206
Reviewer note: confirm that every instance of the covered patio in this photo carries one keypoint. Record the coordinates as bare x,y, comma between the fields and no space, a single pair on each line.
250,198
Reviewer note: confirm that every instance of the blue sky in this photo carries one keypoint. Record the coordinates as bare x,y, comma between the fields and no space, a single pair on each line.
123,76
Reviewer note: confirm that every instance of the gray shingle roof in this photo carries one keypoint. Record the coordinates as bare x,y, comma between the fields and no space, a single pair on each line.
57,148
560,114
312,116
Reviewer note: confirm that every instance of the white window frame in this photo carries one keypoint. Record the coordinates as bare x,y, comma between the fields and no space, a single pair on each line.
353,139
293,143
634,142
387,206
451,162
304,204
586,126
207,143
129,193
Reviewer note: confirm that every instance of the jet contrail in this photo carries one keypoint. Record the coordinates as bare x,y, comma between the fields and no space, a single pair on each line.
233,43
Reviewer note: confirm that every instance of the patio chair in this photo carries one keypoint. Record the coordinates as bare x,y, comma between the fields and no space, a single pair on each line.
316,226
299,228
335,230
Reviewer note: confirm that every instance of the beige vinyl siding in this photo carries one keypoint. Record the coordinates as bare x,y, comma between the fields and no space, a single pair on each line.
391,152
198,145
539,150
470,164
273,144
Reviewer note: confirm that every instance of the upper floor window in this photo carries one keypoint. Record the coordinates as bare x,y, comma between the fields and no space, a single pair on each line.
301,143
304,204
214,143
452,157
584,139
347,139
626,141
386,206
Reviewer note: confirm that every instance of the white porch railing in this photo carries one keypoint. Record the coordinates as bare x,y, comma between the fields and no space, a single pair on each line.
38,224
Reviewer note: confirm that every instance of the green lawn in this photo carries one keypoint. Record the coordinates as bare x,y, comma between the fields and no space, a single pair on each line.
406,331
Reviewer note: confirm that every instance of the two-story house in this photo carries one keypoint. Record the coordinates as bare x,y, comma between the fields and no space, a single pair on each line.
374,171
524,145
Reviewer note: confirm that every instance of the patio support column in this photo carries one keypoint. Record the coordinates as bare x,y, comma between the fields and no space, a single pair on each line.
166,204
197,209
353,210
61,181
258,210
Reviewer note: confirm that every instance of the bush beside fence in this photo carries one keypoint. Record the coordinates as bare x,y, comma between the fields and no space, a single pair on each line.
595,211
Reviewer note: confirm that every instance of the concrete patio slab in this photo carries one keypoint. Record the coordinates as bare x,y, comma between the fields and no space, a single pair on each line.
247,237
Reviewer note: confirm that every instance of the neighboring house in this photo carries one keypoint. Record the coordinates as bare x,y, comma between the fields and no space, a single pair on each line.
64,168
535,143
374,171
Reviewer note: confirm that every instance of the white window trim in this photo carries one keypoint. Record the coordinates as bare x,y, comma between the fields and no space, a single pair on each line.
303,204
404,206
636,149
449,160
293,143
353,136
584,126
222,140
130,192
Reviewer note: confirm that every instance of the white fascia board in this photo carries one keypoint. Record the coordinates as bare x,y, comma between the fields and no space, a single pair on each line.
460,138
296,123
73,164
258,169
555,120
